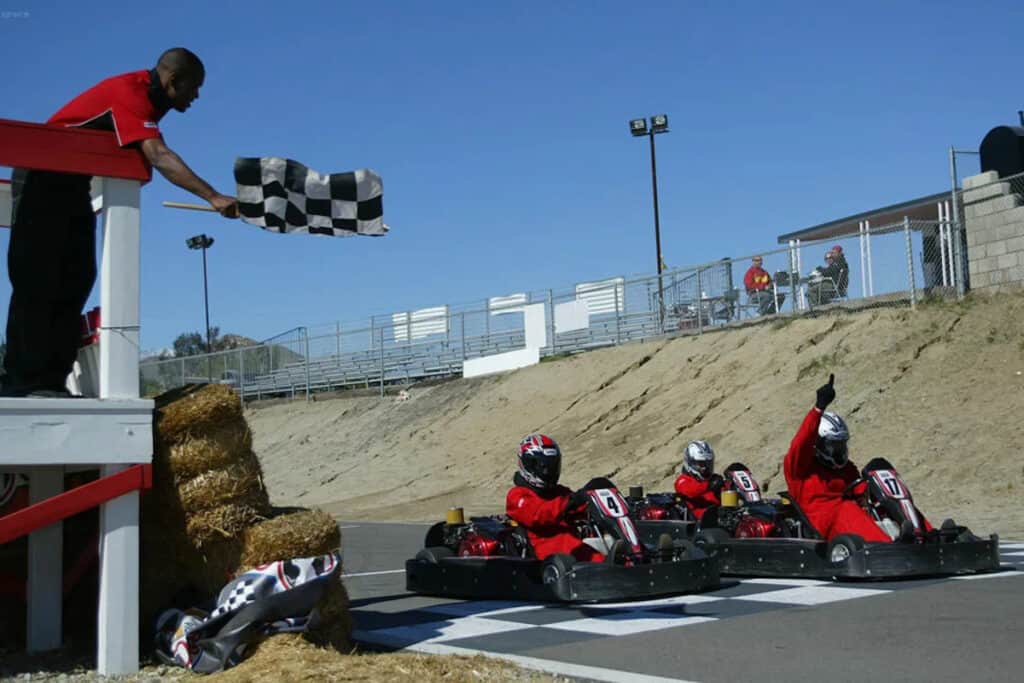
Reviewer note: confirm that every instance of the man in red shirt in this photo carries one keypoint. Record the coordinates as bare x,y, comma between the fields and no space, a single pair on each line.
818,469
698,485
543,507
758,284
51,256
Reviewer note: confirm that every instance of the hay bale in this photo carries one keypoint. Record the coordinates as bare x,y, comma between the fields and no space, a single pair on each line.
222,522
303,533
240,483
193,411
214,449
335,626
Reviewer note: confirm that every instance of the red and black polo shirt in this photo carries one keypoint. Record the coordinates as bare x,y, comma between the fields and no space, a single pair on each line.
131,105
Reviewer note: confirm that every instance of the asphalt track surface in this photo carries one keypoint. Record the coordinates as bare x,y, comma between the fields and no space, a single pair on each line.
962,629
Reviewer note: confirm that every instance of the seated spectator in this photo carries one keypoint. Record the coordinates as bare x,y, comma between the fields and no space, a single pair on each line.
829,283
758,284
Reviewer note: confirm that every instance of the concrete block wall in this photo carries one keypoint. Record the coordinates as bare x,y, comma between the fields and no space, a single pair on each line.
994,224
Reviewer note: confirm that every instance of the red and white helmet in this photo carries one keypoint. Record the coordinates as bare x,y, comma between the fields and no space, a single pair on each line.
540,460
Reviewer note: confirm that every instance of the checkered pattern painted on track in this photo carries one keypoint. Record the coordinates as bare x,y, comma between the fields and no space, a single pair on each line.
510,627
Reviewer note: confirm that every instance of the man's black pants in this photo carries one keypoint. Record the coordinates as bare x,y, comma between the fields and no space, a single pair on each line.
51,262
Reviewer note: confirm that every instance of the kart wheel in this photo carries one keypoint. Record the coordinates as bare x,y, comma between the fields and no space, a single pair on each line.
843,546
435,536
434,554
711,537
556,567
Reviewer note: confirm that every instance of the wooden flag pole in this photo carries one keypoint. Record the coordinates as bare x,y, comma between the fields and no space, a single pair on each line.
193,207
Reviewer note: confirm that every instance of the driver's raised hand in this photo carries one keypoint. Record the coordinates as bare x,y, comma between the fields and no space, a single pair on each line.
826,394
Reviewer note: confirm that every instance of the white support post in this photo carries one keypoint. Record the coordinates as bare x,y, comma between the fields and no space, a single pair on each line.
949,246
119,291
867,245
45,566
118,625
863,272
942,244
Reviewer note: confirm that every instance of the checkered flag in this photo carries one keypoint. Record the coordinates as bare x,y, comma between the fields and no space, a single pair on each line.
282,195
239,593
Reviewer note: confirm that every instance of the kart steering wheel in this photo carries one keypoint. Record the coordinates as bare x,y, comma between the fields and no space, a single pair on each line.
848,491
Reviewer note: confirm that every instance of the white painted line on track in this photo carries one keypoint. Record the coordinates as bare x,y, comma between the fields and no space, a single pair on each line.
593,673
993,575
349,526
387,571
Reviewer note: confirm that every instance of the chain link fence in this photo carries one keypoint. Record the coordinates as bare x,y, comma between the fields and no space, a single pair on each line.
893,265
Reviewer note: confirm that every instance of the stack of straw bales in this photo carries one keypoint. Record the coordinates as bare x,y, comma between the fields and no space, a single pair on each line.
208,517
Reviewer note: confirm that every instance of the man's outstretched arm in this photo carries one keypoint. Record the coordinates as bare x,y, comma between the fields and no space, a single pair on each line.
172,167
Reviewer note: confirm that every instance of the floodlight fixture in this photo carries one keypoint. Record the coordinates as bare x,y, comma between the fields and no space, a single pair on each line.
638,127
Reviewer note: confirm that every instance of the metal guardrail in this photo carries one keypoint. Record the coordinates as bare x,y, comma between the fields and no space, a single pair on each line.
891,265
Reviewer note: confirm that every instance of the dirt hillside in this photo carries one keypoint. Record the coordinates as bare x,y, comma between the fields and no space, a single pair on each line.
939,391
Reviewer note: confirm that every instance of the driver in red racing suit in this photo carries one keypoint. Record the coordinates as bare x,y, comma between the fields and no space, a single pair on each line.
697,484
818,470
540,505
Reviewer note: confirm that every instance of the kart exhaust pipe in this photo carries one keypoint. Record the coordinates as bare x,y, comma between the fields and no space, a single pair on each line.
454,517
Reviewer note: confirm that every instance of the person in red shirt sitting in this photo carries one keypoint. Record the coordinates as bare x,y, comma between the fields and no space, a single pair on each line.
818,469
698,485
758,284
543,507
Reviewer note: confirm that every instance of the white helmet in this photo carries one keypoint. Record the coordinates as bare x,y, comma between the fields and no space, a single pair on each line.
699,460
832,437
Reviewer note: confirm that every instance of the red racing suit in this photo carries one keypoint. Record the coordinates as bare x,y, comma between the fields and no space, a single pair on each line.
697,494
818,489
543,515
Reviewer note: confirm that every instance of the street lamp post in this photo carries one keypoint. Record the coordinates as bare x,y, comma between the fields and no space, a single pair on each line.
204,242
638,127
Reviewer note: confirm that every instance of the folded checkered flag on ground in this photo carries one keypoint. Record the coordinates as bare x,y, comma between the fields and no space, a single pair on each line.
282,195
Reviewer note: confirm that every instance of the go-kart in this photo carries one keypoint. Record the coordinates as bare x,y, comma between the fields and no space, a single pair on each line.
491,557
753,536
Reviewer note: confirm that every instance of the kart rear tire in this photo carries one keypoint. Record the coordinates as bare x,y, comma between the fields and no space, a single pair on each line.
434,554
435,536
843,546
556,567
710,538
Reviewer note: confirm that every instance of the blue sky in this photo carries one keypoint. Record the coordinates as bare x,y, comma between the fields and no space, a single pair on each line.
500,130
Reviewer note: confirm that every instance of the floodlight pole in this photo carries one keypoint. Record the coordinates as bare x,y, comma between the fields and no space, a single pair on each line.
657,232
206,303
204,242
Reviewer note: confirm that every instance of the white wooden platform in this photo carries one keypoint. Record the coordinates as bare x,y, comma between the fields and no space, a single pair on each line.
79,431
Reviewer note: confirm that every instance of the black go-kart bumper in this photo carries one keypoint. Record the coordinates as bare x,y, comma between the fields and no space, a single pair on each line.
809,558
521,579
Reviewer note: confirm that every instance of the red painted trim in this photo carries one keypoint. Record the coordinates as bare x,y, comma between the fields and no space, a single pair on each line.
4,182
64,505
68,150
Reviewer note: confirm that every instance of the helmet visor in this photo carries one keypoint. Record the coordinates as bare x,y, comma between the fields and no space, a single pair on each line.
703,468
835,452
545,468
